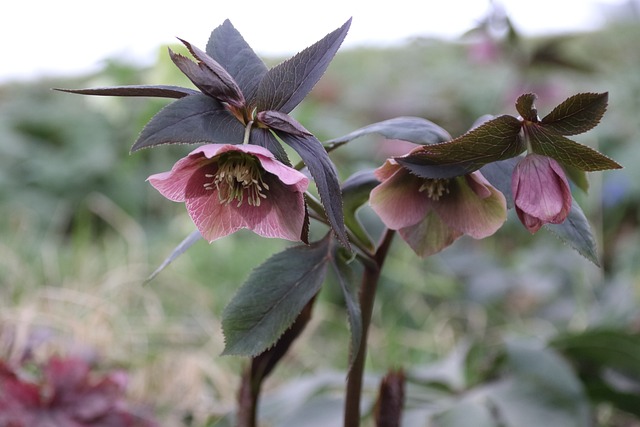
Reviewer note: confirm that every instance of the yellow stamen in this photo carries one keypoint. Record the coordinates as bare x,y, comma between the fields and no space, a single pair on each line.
239,177
435,188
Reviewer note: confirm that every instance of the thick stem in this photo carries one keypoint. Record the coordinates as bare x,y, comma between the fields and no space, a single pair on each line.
368,288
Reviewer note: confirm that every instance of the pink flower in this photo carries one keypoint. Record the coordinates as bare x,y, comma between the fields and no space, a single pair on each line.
228,187
541,192
430,214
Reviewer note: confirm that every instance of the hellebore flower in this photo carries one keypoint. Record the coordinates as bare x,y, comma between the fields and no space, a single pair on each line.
240,99
430,214
541,192
228,187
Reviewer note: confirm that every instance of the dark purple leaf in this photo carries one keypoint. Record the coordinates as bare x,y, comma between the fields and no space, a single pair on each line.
412,129
264,138
209,76
499,175
268,303
566,151
494,140
325,176
285,85
194,119
525,107
282,122
355,193
160,91
231,51
577,114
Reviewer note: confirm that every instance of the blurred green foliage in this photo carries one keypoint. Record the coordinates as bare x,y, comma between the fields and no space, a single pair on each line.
62,156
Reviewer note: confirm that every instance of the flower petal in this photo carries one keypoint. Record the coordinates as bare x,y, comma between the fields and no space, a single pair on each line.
473,206
398,200
429,236
173,184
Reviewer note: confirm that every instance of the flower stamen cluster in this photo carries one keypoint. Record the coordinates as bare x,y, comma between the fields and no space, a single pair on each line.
238,174
435,188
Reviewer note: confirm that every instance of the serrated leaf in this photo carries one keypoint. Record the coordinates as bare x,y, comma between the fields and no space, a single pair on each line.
494,140
576,232
412,129
325,176
499,175
566,151
577,114
525,107
177,251
268,303
157,91
285,85
227,46
264,138
277,120
346,280
355,193
193,119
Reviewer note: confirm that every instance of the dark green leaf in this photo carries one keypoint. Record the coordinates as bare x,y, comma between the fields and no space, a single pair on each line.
231,51
499,175
193,119
576,232
271,299
578,177
285,85
325,176
208,76
577,114
494,140
160,91
526,108
412,129
355,193
179,250
566,151
346,279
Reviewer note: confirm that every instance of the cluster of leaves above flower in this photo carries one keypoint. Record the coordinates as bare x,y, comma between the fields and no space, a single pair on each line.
442,189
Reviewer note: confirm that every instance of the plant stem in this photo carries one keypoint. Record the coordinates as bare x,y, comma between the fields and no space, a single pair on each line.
370,278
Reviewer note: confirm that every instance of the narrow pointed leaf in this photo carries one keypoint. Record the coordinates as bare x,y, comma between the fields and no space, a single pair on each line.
194,119
494,140
576,232
179,250
264,138
566,151
285,85
347,282
355,193
273,296
325,176
159,91
208,76
526,108
577,114
282,122
412,129
227,47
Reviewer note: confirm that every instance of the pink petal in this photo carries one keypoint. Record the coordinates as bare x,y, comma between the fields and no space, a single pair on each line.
429,236
173,184
398,200
473,206
541,192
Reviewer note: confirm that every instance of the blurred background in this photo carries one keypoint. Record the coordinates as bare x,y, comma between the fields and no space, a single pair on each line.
80,229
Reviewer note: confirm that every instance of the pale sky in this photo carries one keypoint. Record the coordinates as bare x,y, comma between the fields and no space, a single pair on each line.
71,36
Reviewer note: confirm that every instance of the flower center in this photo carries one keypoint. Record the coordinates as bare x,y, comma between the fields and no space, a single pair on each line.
239,177
435,188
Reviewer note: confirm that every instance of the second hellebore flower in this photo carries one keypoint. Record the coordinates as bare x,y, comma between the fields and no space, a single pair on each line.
229,187
430,214
541,192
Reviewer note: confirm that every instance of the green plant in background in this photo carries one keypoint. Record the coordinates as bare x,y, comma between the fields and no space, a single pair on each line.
487,384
